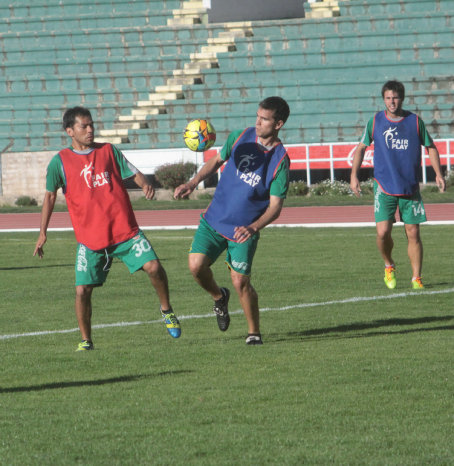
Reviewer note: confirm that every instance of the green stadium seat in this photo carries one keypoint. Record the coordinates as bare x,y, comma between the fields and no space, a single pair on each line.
116,55
372,8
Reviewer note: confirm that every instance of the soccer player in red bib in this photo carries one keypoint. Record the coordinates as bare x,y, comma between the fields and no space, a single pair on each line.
250,195
91,176
398,136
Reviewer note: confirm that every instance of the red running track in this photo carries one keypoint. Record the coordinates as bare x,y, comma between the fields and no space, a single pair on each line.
352,215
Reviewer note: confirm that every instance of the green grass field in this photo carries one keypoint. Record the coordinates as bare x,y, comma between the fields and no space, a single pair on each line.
350,372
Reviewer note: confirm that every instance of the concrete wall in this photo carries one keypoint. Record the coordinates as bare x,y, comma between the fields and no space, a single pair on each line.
251,10
23,174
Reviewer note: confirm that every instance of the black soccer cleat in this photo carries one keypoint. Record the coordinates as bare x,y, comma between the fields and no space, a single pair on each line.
254,339
221,310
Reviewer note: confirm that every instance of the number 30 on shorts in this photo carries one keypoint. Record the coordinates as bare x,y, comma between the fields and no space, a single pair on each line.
141,246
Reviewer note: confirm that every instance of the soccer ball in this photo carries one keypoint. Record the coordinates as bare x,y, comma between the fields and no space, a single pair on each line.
199,135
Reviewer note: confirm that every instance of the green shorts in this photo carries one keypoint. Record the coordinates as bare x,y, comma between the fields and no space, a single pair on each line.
411,208
92,267
239,256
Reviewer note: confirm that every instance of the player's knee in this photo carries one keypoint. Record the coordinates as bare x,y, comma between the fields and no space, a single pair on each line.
242,283
196,266
84,291
153,268
384,235
412,232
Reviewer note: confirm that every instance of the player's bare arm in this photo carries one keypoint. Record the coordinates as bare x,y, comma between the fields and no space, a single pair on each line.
46,213
434,157
146,187
243,233
208,169
356,165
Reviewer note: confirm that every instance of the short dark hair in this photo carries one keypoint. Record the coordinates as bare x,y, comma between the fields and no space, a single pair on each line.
69,117
395,86
278,105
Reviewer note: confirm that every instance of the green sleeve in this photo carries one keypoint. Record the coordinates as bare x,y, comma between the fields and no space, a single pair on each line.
279,186
127,169
424,136
368,135
55,177
227,147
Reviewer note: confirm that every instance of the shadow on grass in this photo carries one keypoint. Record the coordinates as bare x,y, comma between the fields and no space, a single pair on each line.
28,267
88,383
357,330
437,284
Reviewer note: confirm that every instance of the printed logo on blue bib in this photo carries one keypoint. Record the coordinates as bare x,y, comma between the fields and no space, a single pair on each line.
392,141
247,162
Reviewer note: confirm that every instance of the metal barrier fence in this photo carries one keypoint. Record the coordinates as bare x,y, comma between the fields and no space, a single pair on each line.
333,156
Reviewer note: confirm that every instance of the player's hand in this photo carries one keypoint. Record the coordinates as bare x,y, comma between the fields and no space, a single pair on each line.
242,234
148,191
441,183
184,190
39,246
355,186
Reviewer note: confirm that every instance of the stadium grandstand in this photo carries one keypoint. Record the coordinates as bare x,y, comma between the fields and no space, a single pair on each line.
146,68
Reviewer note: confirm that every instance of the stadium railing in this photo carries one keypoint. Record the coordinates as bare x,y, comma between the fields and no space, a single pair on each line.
335,156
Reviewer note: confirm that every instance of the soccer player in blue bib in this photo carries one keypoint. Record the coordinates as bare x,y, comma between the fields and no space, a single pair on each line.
250,195
398,136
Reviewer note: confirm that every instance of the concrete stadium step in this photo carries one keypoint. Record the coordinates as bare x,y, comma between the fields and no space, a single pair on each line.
332,88
306,132
239,116
330,71
50,99
333,42
321,9
402,53
301,72
109,34
39,84
26,8
368,7
84,20
437,100
246,110
64,67
104,113
38,53
294,28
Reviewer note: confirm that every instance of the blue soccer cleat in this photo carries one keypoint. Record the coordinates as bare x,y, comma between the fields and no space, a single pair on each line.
172,323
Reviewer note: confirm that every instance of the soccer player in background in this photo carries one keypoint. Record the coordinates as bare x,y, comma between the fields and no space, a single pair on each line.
398,136
91,176
250,195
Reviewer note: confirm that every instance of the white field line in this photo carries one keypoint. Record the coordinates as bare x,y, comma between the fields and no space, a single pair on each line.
278,225
357,299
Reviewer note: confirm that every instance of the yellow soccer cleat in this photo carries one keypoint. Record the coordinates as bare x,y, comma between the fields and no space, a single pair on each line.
390,277
85,345
416,283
